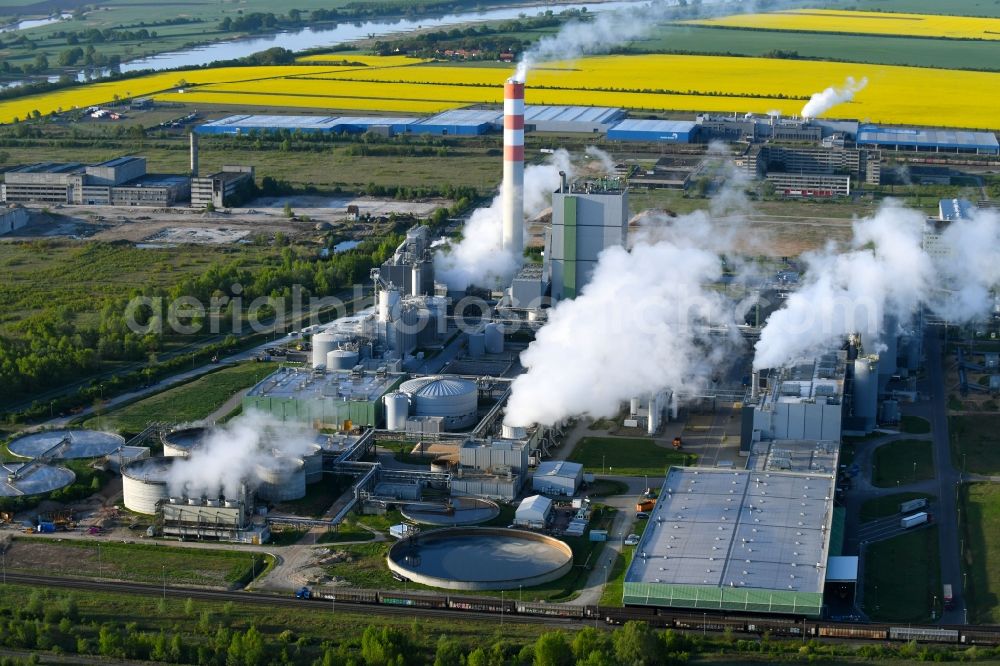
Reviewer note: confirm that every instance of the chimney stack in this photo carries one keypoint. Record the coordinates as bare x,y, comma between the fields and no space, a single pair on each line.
194,155
513,167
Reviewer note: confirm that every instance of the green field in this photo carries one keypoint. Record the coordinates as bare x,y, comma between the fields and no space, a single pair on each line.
623,456
941,53
903,577
188,402
915,425
957,7
139,563
975,443
902,462
888,505
980,529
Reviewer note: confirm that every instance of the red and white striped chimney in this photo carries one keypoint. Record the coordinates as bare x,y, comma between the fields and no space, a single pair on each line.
513,167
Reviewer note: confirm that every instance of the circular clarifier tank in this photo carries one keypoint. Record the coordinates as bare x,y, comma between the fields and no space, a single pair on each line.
461,511
70,443
476,558
179,443
17,479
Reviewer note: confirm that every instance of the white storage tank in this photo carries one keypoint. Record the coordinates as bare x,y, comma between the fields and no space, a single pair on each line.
494,338
313,461
452,398
180,443
281,479
322,344
397,410
144,484
477,344
341,359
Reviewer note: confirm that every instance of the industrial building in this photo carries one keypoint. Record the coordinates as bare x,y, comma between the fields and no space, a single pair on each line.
584,222
243,124
557,477
457,122
122,181
759,160
735,541
665,131
453,399
571,119
326,399
928,140
753,128
495,469
950,210
12,218
670,171
533,512
223,188
221,519
810,184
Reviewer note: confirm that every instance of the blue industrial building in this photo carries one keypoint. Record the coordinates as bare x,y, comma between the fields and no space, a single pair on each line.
928,140
571,119
666,131
261,123
458,122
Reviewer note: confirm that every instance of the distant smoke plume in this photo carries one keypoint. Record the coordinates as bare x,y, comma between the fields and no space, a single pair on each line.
478,258
822,102
641,325
229,455
972,269
607,164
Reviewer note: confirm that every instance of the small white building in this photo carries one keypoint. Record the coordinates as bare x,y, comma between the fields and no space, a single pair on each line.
533,512
557,477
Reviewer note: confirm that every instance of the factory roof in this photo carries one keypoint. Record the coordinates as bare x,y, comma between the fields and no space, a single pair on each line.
538,503
472,117
874,134
806,456
274,122
570,114
368,121
303,384
436,386
737,529
559,468
157,180
49,167
812,379
119,161
666,126
955,209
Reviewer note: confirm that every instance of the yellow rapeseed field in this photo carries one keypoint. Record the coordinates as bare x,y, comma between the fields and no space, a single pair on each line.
647,82
875,23
370,60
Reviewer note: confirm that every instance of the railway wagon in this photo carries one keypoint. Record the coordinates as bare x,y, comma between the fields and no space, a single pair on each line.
613,615
412,600
775,626
348,596
481,604
878,633
553,610
923,634
982,636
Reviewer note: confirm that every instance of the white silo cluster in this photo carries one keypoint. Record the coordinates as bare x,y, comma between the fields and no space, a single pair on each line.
454,399
397,410
657,408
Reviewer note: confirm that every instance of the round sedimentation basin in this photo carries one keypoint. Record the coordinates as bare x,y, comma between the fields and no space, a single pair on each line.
480,558
463,511
66,444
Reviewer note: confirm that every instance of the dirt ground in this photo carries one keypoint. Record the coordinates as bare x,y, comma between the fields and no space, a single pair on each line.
179,225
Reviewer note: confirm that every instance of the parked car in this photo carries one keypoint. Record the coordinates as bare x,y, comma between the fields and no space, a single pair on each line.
632,540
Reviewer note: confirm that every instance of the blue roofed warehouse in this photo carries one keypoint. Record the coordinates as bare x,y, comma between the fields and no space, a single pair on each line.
668,131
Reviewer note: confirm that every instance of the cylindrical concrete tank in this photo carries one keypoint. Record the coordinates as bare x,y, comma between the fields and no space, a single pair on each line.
866,389
634,406
281,479
513,432
322,344
417,277
341,359
313,461
397,410
144,484
388,305
452,398
477,344
180,443
494,338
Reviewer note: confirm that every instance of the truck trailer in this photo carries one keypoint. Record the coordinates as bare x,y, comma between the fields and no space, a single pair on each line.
912,521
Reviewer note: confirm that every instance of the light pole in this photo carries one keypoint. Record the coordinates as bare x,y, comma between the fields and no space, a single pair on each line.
163,575
704,623
501,608
604,467
333,602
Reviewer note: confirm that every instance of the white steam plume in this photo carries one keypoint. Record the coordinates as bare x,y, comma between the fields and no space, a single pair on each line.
822,102
971,267
884,271
479,259
639,326
607,164
229,455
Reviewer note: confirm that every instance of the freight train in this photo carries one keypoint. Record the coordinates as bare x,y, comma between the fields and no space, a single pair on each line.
665,618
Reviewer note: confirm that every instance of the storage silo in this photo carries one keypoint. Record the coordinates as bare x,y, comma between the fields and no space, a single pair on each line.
866,390
397,410
341,359
281,479
477,344
322,344
494,338
313,462
452,398
179,443
144,484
